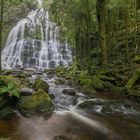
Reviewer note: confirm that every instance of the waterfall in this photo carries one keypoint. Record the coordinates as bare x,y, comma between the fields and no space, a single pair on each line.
34,42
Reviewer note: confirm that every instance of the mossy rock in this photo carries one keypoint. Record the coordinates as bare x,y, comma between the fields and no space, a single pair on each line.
40,84
39,101
60,82
10,79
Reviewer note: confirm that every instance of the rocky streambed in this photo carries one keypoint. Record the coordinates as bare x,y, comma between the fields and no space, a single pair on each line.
51,109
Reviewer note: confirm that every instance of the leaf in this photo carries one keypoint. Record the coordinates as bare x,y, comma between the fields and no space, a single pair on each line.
15,92
4,90
10,86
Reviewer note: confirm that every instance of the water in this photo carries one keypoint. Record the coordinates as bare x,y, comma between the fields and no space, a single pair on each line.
34,42
77,117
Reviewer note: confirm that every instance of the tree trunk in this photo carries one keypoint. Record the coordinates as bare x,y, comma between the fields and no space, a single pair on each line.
1,27
102,13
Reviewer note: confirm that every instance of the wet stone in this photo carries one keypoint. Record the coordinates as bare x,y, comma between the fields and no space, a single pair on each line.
69,91
26,91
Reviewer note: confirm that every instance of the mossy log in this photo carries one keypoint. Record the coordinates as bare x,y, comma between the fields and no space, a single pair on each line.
136,75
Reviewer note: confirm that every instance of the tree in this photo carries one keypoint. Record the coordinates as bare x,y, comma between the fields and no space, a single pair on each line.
1,28
101,16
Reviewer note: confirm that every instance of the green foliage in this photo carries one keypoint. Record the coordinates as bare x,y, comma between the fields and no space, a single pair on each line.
10,90
137,59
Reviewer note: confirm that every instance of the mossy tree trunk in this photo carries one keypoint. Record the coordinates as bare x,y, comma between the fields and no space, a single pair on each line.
1,27
102,14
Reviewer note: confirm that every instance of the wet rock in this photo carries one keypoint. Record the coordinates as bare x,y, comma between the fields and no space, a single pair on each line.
29,71
37,102
69,91
7,72
89,104
52,64
40,84
26,91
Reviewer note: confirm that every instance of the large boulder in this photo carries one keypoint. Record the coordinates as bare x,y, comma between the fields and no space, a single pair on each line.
10,79
40,84
37,102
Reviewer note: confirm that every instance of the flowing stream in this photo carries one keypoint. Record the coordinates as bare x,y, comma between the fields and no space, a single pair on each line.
34,42
77,117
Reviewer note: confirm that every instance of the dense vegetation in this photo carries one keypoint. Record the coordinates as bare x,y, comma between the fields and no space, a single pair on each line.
104,36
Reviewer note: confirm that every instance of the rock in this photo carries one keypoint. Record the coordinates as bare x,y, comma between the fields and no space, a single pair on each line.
40,84
7,72
26,91
37,102
69,91
10,79
6,112
59,81
29,71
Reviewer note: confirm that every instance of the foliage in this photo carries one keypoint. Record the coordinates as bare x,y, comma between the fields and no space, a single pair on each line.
10,90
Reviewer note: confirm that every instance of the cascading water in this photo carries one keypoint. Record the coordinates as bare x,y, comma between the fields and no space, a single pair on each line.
34,42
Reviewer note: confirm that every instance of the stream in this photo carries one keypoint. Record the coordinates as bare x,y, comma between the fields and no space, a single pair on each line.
77,117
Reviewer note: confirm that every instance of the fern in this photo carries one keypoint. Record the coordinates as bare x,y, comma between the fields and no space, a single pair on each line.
10,90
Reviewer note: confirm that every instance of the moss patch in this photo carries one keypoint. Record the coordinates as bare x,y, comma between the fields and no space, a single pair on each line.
40,84
39,101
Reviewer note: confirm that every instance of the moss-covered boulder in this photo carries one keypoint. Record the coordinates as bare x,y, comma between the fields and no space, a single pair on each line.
40,84
38,102
10,79
60,82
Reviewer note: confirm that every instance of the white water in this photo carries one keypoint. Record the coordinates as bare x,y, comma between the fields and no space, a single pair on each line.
34,42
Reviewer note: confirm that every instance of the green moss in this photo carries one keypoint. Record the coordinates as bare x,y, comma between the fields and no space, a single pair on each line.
59,81
38,101
40,84
137,59
10,79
